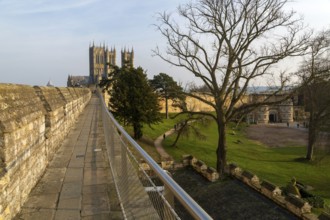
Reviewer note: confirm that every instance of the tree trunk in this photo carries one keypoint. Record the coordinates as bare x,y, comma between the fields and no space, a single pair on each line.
180,130
176,139
311,139
221,150
137,131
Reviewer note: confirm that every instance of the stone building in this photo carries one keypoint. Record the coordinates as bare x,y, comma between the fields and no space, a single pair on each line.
282,112
127,58
102,59
290,110
77,81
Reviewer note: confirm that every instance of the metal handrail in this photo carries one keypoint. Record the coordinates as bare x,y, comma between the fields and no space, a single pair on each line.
191,206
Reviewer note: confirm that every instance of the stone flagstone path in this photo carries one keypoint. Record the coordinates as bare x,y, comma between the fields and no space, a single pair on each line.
77,184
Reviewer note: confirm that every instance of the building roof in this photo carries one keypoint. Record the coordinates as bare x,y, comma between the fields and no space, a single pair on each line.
77,81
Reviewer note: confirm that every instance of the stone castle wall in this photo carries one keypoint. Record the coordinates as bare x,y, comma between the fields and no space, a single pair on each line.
33,123
283,112
192,105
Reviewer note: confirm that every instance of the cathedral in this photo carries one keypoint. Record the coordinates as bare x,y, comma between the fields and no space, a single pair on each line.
102,60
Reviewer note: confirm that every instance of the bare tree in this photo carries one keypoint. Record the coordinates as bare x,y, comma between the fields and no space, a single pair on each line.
315,79
191,125
229,44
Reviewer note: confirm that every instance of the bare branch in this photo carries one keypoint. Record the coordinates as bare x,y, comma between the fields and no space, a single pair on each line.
228,44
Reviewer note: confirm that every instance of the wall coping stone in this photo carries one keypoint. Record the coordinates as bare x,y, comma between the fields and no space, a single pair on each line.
19,105
298,202
51,97
269,186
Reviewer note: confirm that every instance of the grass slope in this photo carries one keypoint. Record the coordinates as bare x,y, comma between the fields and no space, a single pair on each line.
150,133
277,165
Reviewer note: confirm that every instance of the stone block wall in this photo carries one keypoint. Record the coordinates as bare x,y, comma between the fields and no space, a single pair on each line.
208,172
295,205
54,118
33,123
68,107
75,102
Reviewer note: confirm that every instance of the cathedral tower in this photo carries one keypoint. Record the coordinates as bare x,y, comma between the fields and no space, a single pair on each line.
101,60
127,58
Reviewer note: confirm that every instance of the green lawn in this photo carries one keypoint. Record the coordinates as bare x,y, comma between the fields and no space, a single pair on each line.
155,130
277,165
151,133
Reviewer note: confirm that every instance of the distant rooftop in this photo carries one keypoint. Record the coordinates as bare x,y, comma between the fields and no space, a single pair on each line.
77,81
265,89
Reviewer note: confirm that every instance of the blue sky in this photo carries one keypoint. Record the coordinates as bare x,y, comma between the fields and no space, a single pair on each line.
43,40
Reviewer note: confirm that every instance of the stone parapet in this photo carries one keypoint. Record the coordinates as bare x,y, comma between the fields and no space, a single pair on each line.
33,124
75,102
68,106
295,205
208,172
55,118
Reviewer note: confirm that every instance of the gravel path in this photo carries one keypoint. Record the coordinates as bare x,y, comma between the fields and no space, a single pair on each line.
159,147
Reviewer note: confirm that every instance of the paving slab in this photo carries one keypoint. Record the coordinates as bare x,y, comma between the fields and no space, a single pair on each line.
70,203
77,183
47,187
65,214
91,172
59,161
71,190
99,217
97,164
54,174
74,174
34,213
99,188
42,201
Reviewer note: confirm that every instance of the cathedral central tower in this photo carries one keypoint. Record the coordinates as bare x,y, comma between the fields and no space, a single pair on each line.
102,60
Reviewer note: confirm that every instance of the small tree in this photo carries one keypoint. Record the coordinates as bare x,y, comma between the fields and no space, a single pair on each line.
133,100
167,89
315,79
229,44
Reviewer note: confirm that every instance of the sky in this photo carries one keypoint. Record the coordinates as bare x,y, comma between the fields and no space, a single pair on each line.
42,40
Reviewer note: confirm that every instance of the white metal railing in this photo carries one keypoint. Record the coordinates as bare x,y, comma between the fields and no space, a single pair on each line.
141,197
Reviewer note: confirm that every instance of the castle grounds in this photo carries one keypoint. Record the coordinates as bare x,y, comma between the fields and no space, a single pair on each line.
273,152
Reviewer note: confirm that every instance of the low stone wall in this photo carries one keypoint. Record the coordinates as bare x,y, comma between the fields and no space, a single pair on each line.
33,123
208,172
296,205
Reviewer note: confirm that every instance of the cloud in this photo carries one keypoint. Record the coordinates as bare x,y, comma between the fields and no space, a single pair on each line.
43,39
315,13
42,6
